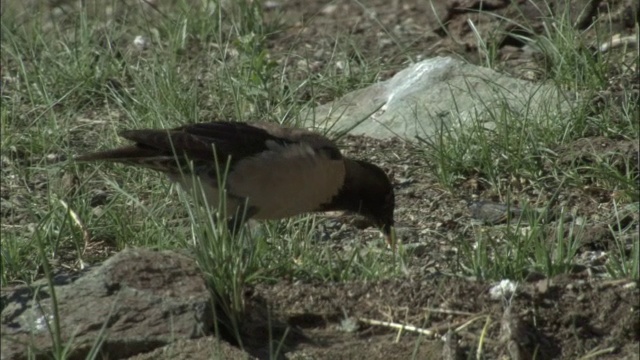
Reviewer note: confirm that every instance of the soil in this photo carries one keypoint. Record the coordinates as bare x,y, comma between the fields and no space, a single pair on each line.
569,316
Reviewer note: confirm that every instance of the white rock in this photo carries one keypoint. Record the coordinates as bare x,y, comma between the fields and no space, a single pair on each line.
140,42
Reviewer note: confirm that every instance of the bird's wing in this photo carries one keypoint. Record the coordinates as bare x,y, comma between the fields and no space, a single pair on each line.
170,150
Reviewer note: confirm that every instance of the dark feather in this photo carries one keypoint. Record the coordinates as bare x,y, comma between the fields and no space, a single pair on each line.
170,150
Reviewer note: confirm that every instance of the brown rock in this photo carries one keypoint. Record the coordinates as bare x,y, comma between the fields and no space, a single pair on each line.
135,302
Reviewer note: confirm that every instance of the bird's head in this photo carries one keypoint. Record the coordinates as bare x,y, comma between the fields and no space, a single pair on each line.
377,200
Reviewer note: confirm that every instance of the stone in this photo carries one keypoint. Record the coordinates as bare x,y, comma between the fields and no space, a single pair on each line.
136,301
433,94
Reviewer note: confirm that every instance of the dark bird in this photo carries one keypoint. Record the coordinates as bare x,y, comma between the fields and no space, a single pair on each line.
272,172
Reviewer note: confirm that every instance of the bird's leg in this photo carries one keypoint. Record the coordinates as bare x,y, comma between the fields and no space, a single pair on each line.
243,213
234,224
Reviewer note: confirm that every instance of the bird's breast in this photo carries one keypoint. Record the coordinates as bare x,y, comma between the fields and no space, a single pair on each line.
286,181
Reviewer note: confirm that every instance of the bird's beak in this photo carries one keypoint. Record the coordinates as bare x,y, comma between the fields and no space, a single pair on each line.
390,236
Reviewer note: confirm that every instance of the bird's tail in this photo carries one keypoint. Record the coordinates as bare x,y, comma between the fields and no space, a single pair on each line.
136,155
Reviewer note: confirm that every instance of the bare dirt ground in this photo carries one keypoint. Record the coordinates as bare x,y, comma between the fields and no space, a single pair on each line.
566,317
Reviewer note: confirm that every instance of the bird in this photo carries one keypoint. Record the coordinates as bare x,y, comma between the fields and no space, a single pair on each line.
272,171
